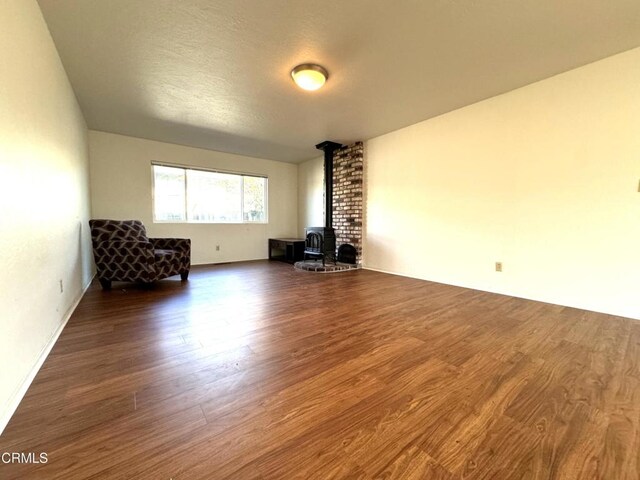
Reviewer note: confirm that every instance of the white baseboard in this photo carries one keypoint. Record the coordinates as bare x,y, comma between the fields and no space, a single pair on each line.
619,312
44,353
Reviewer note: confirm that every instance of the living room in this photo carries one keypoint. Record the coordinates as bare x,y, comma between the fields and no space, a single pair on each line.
500,223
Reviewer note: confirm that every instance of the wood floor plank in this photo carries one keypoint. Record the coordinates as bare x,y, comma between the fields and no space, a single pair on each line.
258,371
412,463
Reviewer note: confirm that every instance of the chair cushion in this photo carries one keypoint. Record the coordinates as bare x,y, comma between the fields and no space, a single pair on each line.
161,254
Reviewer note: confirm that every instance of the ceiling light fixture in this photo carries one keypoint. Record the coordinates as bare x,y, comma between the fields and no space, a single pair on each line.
309,76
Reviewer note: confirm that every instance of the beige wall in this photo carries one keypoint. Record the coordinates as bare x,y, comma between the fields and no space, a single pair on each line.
44,193
310,194
121,188
544,179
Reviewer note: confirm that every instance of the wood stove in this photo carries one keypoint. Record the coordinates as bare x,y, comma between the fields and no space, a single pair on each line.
320,242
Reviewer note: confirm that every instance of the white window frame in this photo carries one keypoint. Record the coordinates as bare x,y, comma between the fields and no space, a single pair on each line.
201,169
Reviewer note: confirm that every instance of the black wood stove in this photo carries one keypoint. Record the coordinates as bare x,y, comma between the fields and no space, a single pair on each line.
320,242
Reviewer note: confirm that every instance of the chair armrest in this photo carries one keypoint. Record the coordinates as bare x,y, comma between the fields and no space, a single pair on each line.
116,252
179,244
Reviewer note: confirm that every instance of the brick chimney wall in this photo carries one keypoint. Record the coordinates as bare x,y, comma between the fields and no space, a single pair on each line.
347,195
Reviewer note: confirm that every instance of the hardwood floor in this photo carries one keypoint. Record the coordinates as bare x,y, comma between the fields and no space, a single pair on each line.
255,370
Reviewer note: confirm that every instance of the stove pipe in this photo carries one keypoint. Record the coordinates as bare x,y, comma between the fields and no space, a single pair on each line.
328,148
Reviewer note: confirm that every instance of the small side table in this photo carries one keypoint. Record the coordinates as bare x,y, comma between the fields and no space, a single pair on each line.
290,250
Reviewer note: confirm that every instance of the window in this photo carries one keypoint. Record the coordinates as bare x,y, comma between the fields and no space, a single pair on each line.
190,195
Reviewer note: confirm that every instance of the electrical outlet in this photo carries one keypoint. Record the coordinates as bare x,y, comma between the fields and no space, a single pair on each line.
217,248
61,286
498,266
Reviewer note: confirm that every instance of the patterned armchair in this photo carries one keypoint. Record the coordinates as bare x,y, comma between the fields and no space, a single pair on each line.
123,252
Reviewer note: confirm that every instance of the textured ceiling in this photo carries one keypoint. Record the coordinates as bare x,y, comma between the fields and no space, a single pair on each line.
215,74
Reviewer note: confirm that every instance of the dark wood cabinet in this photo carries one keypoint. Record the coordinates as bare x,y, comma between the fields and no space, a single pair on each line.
288,250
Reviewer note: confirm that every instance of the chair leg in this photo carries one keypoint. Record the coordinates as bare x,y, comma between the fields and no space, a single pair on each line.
184,275
106,284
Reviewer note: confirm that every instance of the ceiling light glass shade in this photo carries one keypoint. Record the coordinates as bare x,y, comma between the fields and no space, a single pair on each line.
309,76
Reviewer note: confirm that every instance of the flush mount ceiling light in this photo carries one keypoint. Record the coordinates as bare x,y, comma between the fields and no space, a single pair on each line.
309,76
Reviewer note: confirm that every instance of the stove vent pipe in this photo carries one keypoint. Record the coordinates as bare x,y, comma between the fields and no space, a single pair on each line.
328,148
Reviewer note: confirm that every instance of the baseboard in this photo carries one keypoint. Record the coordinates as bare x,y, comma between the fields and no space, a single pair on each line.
228,262
44,353
406,275
589,308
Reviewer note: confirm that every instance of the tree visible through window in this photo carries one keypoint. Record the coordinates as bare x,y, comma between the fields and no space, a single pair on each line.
189,195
